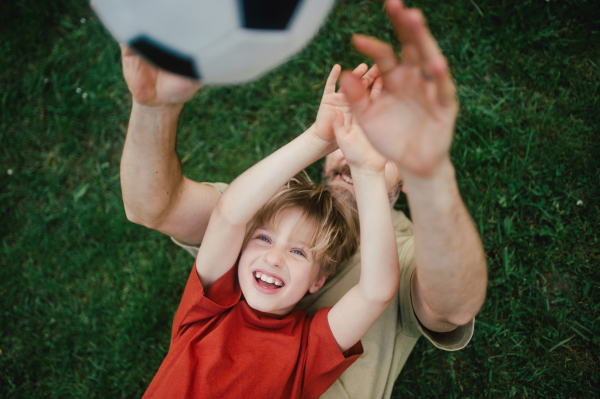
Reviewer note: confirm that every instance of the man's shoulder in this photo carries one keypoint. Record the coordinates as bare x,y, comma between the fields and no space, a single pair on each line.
220,187
403,227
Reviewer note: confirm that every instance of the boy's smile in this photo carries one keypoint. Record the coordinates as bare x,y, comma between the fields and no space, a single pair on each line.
267,282
277,267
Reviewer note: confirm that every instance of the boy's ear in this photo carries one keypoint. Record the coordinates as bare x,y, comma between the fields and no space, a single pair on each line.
318,284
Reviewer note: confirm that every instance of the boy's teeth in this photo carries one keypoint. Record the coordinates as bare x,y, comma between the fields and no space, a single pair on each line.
268,279
347,179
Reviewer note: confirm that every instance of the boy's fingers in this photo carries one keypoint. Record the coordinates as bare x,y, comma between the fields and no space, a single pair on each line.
377,87
372,73
338,125
360,70
332,79
380,52
369,77
355,92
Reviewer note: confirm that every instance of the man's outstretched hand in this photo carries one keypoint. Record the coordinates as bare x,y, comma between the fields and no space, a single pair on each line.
152,86
412,121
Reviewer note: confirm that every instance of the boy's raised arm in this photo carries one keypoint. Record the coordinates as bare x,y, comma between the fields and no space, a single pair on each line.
225,232
245,195
354,314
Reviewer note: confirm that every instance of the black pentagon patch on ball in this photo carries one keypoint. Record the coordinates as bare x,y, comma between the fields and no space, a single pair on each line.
165,58
268,14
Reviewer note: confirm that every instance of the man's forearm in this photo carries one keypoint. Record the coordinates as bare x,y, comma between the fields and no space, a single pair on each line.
151,174
451,274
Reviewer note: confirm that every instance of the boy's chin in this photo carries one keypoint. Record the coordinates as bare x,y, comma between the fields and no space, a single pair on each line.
264,307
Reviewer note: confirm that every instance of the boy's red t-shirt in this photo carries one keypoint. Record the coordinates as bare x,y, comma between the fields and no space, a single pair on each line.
222,348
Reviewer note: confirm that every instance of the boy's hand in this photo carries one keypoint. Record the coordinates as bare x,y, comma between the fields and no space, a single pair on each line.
412,122
355,146
333,100
152,86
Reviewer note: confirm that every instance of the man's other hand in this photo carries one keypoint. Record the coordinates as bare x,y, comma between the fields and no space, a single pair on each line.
412,121
151,86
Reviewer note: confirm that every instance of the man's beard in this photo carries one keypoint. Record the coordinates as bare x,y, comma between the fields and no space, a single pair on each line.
343,193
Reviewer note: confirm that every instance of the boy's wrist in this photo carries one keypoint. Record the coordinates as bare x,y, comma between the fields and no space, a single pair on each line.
361,172
315,139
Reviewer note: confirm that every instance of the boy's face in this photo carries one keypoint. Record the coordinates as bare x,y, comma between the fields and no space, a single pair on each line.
281,257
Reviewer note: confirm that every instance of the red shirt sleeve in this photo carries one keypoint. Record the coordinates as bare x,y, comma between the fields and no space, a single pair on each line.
196,305
325,362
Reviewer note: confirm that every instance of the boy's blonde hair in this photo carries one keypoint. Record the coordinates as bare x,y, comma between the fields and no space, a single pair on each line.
336,236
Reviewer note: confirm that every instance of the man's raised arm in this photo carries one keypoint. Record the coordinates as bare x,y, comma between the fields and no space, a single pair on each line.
412,124
155,192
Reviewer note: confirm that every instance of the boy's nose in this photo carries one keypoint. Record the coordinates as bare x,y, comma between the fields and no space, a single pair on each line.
273,257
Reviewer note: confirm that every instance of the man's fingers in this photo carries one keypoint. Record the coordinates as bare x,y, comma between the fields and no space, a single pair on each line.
380,52
446,91
125,50
355,92
332,79
412,31
410,54
358,71
425,42
397,16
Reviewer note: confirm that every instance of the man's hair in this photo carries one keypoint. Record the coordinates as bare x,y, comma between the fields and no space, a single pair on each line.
336,235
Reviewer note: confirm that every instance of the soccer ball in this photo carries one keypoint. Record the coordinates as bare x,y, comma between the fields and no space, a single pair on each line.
216,41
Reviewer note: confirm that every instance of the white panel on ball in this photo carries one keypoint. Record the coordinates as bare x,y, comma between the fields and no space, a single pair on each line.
183,25
242,55
206,39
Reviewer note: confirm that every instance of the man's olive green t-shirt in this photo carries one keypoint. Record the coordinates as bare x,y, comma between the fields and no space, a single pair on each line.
389,341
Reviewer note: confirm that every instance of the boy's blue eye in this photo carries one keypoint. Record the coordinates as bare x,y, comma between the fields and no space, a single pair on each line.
265,239
298,252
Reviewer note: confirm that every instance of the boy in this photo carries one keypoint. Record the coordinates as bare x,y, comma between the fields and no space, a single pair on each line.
233,334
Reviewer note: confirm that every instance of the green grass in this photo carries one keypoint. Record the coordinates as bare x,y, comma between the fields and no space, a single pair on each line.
87,298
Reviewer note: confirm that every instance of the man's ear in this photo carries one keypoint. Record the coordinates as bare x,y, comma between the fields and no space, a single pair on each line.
318,284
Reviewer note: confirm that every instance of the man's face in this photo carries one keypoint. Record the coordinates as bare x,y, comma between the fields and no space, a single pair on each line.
337,170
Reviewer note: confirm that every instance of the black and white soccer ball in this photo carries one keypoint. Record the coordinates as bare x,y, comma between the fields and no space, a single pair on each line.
216,41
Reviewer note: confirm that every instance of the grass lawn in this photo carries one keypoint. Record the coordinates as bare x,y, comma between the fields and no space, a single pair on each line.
87,298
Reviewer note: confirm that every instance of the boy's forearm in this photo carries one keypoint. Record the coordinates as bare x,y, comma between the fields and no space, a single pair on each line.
258,184
379,257
150,167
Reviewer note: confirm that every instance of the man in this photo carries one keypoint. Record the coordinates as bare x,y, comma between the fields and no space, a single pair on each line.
443,273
